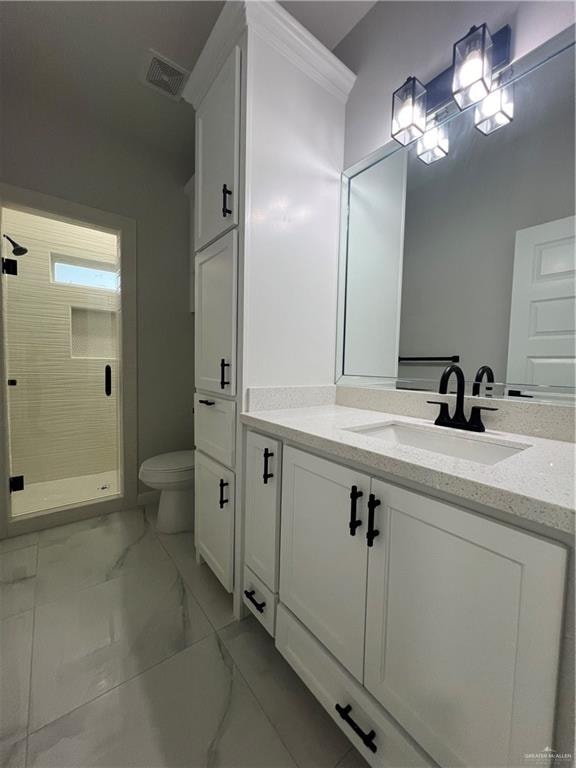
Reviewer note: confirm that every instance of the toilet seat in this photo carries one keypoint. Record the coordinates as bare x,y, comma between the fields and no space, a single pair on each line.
168,467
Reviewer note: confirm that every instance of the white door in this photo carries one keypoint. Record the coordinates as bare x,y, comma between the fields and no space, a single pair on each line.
374,268
217,151
263,463
542,338
215,327
214,515
322,566
463,630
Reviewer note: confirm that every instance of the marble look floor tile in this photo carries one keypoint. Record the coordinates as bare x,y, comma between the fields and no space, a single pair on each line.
13,755
192,710
17,580
15,652
216,603
76,556
304,726
18,542
352,759
98,637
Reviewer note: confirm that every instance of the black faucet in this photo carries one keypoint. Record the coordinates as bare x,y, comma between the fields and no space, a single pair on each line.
483,372
458,419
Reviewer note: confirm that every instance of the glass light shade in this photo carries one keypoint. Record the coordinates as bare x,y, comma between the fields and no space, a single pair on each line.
495,111
433,145
409,111
472,67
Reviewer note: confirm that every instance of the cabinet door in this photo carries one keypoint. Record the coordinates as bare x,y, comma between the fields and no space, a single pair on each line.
322,566
214,504
263,462
215,335
463,630
217,153
215,427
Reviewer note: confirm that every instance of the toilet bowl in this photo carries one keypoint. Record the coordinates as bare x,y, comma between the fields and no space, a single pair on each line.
173,475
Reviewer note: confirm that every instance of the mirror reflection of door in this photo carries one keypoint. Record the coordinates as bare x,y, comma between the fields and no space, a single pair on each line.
541,348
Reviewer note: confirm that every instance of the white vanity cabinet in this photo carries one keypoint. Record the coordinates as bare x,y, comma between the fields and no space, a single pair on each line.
449,619
214,510
217,154
216,310
322,566
262,507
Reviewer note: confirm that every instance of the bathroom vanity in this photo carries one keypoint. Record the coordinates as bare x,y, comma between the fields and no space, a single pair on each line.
428,629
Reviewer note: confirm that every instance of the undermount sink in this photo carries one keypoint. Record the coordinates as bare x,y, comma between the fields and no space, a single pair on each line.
460,445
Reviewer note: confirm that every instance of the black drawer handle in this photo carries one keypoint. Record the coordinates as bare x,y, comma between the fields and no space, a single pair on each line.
107,381
222,500
267,475
354,523
223,366
207,402
372,532
250,595
225,193
366,738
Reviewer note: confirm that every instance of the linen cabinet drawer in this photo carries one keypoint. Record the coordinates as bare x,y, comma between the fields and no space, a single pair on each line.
369,728
215,427
260,600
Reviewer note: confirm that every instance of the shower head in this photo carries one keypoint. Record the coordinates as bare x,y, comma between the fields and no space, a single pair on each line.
17,250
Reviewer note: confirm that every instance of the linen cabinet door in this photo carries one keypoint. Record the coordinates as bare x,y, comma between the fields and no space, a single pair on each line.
463,629
217,155
214,507
323,560
263,464
215,322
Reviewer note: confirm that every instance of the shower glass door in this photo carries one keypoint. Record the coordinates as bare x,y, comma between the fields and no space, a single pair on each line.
61,303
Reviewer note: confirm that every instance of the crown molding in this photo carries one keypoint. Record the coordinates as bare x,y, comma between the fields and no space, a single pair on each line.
277,27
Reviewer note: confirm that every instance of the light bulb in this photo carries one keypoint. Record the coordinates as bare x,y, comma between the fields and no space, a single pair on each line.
470,69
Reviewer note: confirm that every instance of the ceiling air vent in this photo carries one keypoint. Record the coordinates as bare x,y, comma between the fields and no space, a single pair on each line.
164,75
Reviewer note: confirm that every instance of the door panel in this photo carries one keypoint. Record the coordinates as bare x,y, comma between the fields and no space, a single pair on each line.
323,567
216,307
463,628
262,507
542,323
214,513
217,151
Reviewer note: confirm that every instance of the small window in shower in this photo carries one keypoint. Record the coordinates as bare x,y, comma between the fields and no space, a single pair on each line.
68,270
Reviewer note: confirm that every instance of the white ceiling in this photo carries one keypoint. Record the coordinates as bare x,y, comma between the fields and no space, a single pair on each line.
85,58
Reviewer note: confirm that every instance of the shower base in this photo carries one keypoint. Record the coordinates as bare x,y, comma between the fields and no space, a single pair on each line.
66,492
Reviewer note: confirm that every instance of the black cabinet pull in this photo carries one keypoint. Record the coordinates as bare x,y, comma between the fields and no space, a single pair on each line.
225,193
372,532
366,738
207,402
107,381
222,500
267,475
223,366
354,523
250,595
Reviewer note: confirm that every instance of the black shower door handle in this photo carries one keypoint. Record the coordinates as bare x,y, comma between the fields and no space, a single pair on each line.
107,381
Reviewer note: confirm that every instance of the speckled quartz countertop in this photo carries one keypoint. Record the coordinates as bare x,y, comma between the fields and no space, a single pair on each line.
536,484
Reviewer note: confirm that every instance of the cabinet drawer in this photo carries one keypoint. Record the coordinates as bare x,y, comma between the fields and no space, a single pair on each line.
215,427
332,686
265,612
262,529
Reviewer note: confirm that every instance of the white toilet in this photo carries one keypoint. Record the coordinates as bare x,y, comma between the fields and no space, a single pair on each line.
173,475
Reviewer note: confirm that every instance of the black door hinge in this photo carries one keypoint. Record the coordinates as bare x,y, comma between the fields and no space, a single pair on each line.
9,267
16,483
12,382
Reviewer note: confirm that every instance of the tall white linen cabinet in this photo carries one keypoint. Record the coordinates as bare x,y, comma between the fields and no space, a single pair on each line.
270,106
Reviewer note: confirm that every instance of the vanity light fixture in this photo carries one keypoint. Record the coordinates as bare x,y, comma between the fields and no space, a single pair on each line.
472,67
409,111
433,145
495,111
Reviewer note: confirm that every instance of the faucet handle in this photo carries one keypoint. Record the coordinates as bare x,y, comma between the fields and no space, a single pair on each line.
475,423
443,419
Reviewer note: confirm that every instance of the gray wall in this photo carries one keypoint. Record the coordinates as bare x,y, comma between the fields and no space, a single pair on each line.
462,215
64,153
398,39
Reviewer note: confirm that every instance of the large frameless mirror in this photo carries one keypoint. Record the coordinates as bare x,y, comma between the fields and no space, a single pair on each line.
471,258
